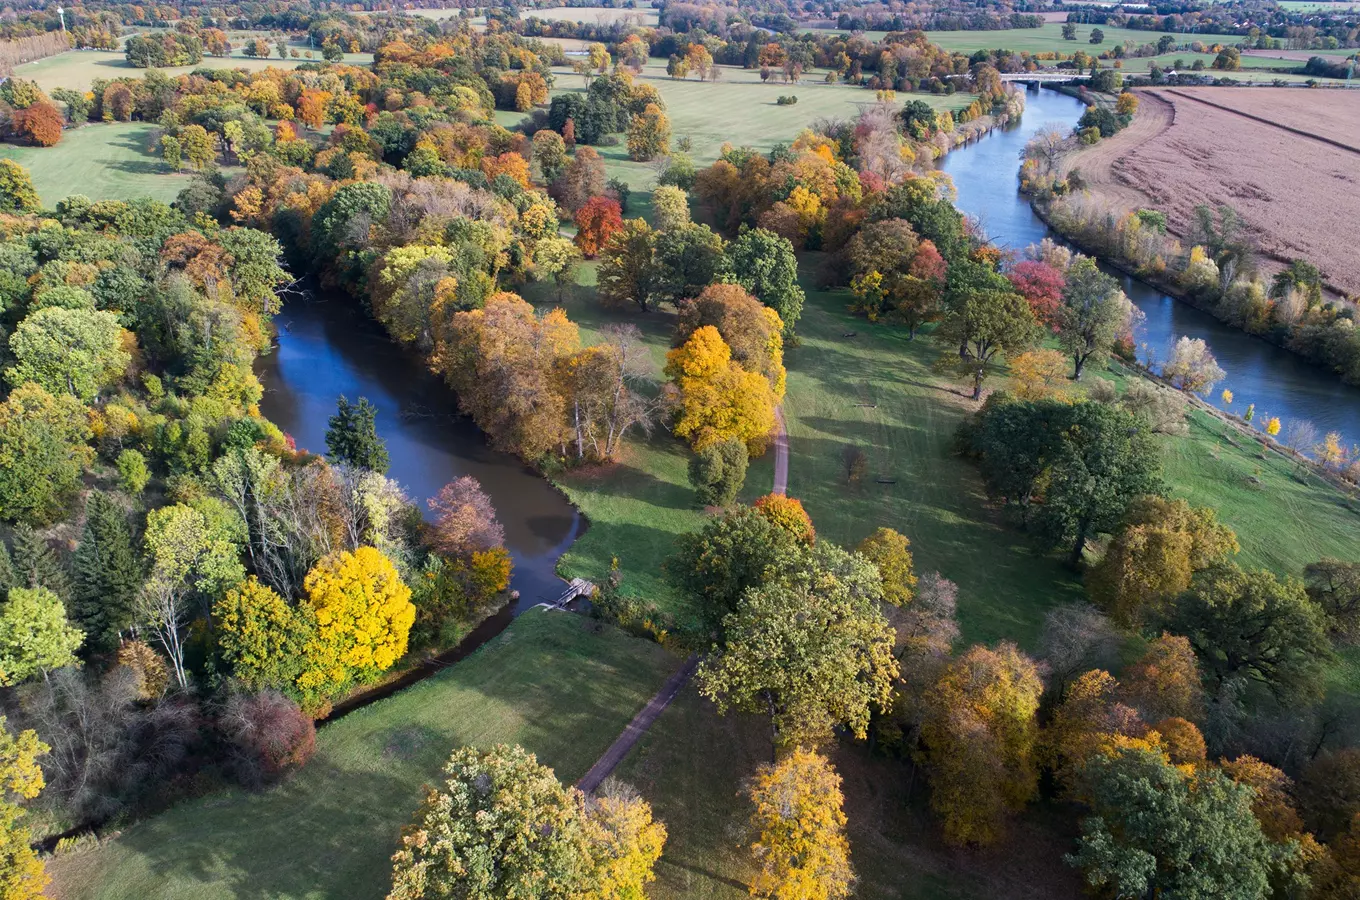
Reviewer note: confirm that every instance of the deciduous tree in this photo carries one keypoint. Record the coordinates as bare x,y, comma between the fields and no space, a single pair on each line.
499,827
718,472
1159,546
35,636
1092,314
595,221
1192,368
262,637
1251,624
22,876
1156,831
624,843
364,614
1165,681
718,399
43,452
979,735
890,551
40,123
984,325
809,648
465,519
1335,587
79,351
797,817
764,263
627,273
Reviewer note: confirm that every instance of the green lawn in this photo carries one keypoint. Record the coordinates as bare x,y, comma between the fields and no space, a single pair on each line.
77,69
894,840
549,683
1049,39
110,161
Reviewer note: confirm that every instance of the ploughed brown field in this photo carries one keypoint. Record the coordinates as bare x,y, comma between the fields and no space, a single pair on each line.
1287,159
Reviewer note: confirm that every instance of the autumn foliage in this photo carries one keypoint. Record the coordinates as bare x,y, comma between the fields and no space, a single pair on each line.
787,513
797,817
717,399
40,123
595,222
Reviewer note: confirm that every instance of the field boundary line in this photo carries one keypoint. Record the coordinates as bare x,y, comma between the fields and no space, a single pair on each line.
1237,112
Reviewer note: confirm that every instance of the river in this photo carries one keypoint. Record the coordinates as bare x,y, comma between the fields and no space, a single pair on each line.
328,346
1277,381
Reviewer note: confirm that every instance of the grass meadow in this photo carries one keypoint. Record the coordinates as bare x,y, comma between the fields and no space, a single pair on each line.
104,161
77,69
550,682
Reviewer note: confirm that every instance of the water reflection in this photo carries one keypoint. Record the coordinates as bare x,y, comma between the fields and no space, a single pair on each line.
1278,382
327,346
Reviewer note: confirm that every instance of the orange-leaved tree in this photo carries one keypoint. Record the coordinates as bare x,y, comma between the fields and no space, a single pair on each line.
787,513
595,222
40,123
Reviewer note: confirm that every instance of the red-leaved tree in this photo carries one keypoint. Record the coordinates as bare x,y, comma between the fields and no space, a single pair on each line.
595,222
272,736
1041,285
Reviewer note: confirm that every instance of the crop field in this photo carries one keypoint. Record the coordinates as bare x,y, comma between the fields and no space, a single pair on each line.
1286,159
594,15
1049,39
549,683
77,69
106,161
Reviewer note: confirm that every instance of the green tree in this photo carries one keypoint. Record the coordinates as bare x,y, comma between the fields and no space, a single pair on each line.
718,472
1156,831
499,827
133,474
649,134
107,573
670,207
262,637
627,272
17,194
557,258
1253,625
985,324
1097,36
172,151
36,564
1093,313
352,436
764,263
718,563
79,351
686,260
1105,460
35,636
810,648
1335,587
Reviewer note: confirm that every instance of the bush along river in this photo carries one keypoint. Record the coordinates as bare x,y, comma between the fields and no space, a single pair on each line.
1277,381
327,346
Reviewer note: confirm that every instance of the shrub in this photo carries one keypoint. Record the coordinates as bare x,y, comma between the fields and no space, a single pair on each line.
786,101
272,737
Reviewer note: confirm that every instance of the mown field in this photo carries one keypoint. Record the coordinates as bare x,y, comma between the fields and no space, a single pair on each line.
112,161
77,69
550,683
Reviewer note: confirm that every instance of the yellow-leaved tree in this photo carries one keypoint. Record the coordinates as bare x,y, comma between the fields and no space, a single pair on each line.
625,842
21,872
718,399
979,735
800,845
363,615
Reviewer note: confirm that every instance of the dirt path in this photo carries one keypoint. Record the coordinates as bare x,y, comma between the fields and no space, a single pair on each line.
638,727
781,454
1100,165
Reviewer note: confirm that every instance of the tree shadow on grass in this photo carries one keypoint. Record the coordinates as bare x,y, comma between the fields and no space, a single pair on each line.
560,685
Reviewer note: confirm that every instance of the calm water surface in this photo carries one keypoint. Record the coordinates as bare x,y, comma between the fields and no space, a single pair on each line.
328,346
1278,382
